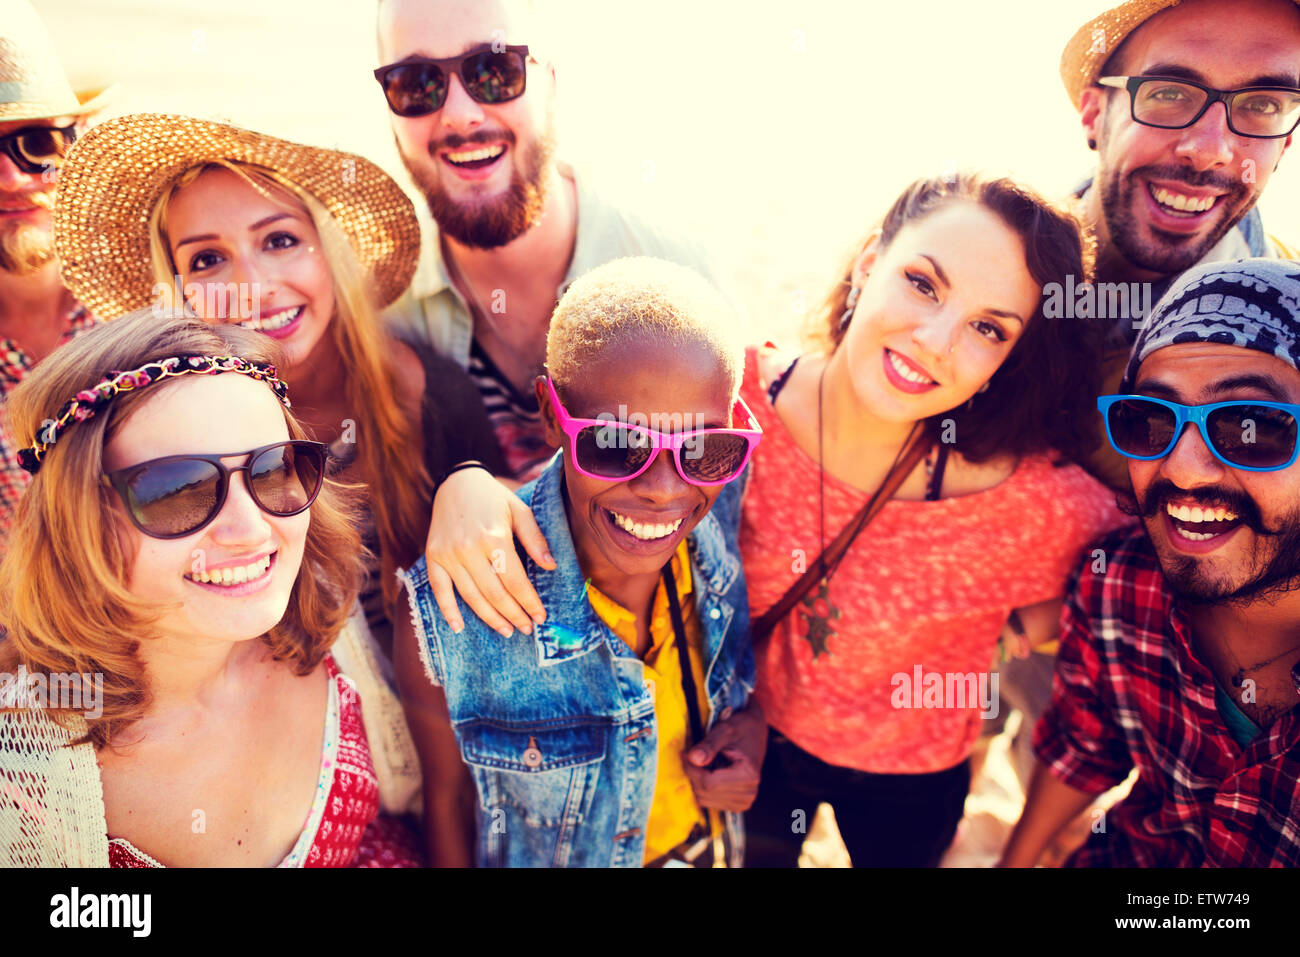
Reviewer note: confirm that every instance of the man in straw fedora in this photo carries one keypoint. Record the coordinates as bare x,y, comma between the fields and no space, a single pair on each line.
39,118
471,97
1189,106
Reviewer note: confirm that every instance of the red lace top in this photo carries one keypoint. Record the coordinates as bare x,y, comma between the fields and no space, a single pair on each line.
344,827
923,592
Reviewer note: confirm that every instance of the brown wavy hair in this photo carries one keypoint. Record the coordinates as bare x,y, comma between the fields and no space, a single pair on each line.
1042,398
63,595
389,443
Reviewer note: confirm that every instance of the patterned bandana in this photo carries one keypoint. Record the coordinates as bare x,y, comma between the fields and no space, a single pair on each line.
1251,303
87,402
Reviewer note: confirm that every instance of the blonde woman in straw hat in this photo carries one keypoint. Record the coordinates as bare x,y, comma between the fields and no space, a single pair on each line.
39,119
303,245
182,684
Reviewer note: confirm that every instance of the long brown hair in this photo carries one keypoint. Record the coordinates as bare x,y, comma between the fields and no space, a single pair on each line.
1042,396
63,595
388,442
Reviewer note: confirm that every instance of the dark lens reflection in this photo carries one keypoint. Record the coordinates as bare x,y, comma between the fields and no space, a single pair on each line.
171,498
1255,436
1142,428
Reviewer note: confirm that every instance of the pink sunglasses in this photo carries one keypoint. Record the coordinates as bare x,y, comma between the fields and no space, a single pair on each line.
619,451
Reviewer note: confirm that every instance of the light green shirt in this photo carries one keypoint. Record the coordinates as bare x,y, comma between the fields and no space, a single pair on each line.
432,310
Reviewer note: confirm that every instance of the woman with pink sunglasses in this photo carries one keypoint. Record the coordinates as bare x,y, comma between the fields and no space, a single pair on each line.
621,732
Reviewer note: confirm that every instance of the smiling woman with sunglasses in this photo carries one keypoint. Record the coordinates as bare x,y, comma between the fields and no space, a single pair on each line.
177,591
619,733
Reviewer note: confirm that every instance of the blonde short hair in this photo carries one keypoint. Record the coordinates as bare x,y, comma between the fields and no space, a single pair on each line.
642,298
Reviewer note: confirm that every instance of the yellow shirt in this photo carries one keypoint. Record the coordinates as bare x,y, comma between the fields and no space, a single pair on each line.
674,812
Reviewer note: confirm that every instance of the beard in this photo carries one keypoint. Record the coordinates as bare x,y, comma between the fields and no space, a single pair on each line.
1120,200
1271,570
25,248
491,222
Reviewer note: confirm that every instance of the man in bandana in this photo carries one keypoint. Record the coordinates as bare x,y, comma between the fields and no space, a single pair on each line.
1180,651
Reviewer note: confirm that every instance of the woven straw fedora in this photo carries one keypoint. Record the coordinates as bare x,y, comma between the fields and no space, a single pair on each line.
1090,48
33,85
117,172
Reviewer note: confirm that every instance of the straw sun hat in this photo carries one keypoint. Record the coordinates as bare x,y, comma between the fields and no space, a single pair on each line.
1095,41
117,172
33,85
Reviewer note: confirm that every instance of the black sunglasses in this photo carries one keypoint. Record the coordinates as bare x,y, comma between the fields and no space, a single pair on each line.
1169,103
177,495
34,149
417,86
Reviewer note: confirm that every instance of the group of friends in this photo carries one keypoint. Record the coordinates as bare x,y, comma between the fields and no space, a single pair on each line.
477,533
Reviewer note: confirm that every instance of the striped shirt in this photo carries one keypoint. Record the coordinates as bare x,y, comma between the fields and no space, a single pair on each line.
515,417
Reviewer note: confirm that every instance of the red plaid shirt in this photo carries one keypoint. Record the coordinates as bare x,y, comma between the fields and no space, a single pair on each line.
1130,692
14,366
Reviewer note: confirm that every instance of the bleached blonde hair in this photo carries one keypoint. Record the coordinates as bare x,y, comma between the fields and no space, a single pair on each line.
641,297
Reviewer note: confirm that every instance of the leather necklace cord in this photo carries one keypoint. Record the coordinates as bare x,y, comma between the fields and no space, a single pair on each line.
909,456
827,572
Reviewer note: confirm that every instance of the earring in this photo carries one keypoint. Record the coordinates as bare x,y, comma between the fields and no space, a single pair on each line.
849,303
1092,144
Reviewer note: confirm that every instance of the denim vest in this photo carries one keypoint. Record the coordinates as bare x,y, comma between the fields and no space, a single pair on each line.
558,727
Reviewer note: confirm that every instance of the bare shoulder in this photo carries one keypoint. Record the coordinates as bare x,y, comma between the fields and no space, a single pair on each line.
964,477
772,361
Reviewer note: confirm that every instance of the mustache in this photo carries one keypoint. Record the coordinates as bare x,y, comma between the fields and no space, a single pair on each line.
1162,491
1205,179
455,141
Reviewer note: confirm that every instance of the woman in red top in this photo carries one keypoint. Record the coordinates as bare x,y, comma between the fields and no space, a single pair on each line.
934,338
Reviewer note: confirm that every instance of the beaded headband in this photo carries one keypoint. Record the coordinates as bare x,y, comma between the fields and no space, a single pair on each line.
87,402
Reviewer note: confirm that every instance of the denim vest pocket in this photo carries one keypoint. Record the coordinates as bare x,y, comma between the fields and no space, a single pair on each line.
546,771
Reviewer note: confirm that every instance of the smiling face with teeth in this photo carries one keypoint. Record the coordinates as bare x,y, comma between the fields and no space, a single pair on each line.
257,259
485,169
1163,197
940,309
232,579
1219,532
626,531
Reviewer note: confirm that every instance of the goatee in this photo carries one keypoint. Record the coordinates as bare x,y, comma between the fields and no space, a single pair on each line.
492,222
25,248
1273,568
1120,200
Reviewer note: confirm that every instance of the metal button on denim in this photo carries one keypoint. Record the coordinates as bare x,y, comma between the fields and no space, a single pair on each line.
715,614
532,757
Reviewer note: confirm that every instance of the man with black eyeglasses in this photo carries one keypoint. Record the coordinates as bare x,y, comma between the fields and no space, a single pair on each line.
471,95
1180,651
39,117
1190,106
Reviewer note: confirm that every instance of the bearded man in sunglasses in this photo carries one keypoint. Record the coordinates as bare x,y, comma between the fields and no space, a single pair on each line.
473,113
1180,651
39,115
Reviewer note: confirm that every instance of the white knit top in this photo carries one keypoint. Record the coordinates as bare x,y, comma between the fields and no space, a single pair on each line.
52,800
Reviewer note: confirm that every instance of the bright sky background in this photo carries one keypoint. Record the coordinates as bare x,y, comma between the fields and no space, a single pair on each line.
774,132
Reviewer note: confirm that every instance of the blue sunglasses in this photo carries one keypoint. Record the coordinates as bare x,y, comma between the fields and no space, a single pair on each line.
1255,436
